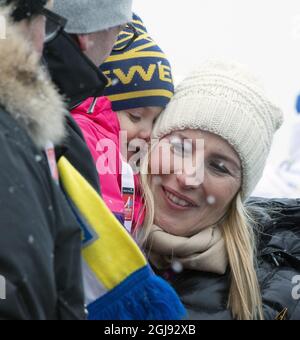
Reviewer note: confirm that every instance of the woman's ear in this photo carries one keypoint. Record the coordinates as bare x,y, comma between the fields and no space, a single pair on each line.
83,42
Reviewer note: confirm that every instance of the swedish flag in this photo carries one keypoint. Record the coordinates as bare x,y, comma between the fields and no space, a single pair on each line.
119,284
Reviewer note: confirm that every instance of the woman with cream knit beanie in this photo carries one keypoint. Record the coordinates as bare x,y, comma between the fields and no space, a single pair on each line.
197,221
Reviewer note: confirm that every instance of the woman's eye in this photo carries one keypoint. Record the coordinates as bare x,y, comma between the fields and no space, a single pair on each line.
177,145
182,148
220,168
134,119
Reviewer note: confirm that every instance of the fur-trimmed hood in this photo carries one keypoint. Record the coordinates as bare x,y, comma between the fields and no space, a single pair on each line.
26,90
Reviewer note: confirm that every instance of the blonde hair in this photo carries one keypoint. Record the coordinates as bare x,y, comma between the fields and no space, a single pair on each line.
244,301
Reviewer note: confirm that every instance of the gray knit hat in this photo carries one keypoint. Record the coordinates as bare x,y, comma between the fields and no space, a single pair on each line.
225,99
89,16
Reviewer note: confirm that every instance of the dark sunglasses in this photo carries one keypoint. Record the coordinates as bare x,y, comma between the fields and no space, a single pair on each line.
54,25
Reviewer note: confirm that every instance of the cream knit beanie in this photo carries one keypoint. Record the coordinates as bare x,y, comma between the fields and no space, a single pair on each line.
223,98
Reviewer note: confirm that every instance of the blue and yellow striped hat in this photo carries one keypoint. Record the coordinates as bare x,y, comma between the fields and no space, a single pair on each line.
139,76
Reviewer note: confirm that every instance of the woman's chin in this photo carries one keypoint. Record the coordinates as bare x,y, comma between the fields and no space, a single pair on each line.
169,227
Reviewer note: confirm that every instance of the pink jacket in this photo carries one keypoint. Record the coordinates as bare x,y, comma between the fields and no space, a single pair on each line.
98,126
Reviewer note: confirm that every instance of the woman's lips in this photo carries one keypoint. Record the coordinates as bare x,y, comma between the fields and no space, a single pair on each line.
177,201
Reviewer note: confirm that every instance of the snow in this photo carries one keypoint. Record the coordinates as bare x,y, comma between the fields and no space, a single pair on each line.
31,240
211,200
11,190
115,82
38,158
177,267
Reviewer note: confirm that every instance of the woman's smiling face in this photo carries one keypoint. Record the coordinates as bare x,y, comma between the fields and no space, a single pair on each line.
190,197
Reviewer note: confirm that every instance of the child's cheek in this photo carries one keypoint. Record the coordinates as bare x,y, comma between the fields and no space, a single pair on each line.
126,125
132,131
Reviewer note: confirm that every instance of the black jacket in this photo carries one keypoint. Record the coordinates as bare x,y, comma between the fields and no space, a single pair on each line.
205,295
77,78
40,243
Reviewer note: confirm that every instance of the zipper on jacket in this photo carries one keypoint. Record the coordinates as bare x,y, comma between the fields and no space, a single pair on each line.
277,264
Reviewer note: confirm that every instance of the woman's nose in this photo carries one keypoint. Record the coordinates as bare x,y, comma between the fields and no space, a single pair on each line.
145,135
191,174
189,181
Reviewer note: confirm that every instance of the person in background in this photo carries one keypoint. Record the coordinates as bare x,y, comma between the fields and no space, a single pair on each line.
73,60
40,239
140,86
283,180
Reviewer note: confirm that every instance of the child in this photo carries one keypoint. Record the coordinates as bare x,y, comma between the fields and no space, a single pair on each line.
140,86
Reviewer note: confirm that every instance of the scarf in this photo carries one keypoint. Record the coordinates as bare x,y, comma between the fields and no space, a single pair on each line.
204,251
